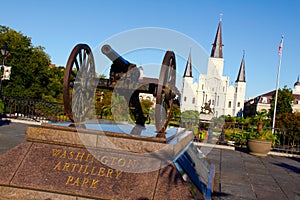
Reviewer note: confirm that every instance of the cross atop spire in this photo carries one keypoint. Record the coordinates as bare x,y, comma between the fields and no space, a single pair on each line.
217,46
188,68
241,75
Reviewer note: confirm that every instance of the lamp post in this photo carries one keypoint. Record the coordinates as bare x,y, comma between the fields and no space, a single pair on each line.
4,52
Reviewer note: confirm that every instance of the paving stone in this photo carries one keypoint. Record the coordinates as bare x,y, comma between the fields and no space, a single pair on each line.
289,186
263,180
293,195
235,179
11,135
237,192
257,171
255,165
269,192
281,176
233,170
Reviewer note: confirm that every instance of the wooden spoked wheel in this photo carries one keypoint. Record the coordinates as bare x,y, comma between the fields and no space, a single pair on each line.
78,78
165,93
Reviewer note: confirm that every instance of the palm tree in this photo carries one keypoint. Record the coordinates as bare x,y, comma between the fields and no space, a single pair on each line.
260,115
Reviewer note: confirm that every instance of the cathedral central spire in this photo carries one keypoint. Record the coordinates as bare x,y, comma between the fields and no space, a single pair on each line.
217,46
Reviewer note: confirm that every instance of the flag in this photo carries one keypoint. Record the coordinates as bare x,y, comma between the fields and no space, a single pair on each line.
280,46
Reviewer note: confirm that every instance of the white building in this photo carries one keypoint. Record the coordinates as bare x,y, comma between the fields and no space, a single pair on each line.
213,93
263,101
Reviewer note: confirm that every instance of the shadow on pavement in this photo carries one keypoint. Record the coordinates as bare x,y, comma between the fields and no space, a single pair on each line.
220,194
240,149
4,122
289,167
295,159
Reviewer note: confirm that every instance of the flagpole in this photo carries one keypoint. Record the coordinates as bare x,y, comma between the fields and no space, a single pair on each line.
277,83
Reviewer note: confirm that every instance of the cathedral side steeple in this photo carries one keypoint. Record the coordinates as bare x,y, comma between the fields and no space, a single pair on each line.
217,46
241,75
188,94
188,68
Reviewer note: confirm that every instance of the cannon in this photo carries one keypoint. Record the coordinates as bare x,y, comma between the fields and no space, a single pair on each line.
124,78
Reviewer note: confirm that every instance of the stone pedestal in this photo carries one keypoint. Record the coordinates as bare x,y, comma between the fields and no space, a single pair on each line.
67,163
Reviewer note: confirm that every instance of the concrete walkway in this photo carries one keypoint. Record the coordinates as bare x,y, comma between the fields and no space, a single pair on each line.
11,134
240,175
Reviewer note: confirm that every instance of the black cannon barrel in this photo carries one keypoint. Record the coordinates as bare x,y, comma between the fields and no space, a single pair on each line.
115,57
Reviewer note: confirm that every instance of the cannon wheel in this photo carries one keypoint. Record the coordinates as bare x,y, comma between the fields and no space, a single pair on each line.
80,63
165,91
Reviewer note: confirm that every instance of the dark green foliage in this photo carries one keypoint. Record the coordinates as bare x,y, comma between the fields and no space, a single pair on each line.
190,116
146,106
284,102
31,75
289,123
55,86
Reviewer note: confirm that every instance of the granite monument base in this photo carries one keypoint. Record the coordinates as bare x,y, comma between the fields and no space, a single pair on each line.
60,163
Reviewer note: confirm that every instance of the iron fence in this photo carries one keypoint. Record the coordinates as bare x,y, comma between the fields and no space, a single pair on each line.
287,141
33,109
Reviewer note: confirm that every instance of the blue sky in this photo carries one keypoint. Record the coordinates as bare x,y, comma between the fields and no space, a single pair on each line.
254,26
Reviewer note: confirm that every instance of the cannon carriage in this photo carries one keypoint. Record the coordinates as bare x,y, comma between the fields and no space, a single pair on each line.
124,78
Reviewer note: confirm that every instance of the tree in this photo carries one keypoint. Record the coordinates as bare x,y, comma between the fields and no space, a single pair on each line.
284,102
146,106
290,123
30,66
117,108
103,103
190,116
175,112
260,116
55,86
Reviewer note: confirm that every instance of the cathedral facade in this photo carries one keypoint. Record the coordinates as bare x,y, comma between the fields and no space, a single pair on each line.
213,93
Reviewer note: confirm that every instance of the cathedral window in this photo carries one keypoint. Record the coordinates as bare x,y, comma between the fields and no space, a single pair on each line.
236,90
202,87
184,99
194,100
229,104
218,101
223,89
239,104
213,102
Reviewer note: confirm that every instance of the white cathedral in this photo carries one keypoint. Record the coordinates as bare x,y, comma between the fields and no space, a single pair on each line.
213,93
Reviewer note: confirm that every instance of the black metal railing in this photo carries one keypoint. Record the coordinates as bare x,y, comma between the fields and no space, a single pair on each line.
287,141
33,109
